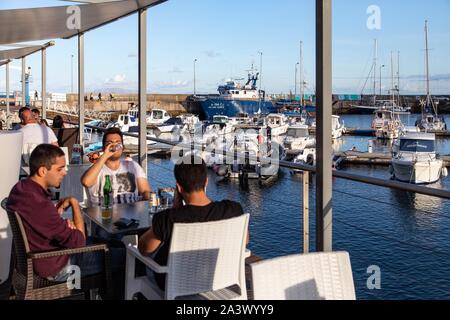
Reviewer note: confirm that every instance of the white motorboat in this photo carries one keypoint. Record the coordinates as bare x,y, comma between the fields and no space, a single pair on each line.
157,117
278,124
124,122
338,128
171,125
298,138
217,129
416,160
387,124
134,141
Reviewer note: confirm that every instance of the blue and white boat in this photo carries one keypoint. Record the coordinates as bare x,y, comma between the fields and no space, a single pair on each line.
235,99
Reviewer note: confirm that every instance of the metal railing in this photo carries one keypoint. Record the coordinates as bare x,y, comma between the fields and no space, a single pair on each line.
306,170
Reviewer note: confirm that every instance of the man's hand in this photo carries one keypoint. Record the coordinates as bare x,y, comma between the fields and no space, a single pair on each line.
178,200
108,153
71,225
63,205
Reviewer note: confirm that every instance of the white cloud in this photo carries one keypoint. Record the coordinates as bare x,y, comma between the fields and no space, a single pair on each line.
212,54
176,70
117,79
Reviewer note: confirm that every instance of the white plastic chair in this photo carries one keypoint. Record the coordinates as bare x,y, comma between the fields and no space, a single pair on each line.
206,261
315,276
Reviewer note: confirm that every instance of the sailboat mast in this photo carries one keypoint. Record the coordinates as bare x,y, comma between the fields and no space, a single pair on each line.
392,80
301,74
398,76
427,67
375,72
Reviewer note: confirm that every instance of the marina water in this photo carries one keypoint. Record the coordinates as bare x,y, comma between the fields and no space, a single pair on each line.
406,235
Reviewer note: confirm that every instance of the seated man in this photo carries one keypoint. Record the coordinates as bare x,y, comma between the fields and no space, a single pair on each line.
128,179
44,226
34,133
191,182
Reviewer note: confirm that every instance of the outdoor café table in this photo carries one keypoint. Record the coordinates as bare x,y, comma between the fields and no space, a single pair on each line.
138,211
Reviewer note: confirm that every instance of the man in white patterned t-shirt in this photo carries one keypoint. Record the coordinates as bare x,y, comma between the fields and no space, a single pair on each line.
128,179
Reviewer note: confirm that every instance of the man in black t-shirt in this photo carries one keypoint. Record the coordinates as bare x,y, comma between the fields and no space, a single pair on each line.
191,178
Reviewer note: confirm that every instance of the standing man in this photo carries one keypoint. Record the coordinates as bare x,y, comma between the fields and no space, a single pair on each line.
129,181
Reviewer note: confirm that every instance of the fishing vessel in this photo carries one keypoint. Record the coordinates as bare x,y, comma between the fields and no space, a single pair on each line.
235,98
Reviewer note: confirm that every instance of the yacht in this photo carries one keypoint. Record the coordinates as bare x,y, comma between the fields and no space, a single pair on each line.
415,159
387,124
278,124
157,117
429,120
297,139
171,125
338,128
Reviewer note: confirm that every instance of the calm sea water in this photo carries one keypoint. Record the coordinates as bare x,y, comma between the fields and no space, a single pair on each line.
406,235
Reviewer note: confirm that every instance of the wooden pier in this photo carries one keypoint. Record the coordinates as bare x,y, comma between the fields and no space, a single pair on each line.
366,158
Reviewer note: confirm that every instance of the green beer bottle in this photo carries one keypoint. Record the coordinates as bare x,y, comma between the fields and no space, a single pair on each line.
107,191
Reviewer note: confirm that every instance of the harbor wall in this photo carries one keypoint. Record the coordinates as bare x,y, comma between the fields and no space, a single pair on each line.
173,103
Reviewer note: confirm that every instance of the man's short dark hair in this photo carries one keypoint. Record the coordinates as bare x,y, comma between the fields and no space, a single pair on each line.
111,131
44,155
21,111
191,173
35,110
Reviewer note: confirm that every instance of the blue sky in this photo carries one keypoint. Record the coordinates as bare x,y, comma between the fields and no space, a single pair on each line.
226,36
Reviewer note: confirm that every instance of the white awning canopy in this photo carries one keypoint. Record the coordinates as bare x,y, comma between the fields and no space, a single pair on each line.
35,24
23,52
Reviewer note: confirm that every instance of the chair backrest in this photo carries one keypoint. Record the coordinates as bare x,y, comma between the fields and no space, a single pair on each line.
9,173
20,239
67,137
315,276
206,257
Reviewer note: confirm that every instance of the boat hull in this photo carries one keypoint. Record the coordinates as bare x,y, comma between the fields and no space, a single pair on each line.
231,108
418,172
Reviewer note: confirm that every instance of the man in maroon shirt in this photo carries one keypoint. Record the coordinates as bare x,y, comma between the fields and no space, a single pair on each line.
45,228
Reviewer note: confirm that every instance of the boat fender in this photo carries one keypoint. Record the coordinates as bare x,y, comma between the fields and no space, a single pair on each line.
444,172
391,169
310,160
222,170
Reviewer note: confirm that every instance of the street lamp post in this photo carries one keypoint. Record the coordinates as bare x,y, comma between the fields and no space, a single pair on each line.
195,89
71,75
295,81
260,78
381,67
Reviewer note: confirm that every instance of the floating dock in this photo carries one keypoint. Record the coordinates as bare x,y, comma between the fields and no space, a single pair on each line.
366,158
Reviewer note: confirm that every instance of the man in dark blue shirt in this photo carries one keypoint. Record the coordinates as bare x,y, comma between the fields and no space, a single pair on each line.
191,182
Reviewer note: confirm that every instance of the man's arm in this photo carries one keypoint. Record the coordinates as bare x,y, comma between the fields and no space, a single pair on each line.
148,243
144,188
89,178
78,220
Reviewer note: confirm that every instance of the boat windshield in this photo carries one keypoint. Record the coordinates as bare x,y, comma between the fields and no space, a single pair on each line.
158,115
297,133
173,121
220,119
411,145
